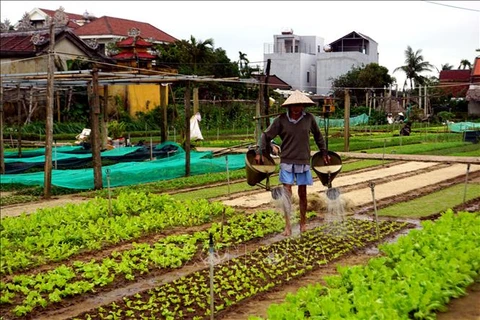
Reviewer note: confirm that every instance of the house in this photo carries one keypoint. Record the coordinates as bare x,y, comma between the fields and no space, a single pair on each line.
473,92
454,83
103,31
307,65
27,51
274,82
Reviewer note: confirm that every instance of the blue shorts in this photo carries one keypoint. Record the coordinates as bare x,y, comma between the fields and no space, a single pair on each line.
303,178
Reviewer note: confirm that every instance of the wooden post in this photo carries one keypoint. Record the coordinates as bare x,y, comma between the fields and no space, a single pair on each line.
164,105
347,121
58,105
19,119
2,150
260,102
187,128
47,183
95,133
258,122
266,98
195,100
104,122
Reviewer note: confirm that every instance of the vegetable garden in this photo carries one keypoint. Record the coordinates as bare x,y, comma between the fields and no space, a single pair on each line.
147,254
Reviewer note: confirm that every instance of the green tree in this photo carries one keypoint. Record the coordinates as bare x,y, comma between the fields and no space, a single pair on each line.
361,79
414,65
465,64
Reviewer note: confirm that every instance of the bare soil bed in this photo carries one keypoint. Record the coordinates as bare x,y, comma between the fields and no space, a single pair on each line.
396,182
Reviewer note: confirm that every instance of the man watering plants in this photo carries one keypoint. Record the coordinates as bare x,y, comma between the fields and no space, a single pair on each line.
294,127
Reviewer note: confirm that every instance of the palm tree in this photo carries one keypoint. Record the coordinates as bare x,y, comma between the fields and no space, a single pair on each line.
447,66
243,63
414,65
197,51
464,64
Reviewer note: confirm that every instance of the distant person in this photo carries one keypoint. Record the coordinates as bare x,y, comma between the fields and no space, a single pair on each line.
407,128
294,127
389,118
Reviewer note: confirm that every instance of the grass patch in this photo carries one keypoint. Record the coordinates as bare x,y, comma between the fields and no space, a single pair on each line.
433,203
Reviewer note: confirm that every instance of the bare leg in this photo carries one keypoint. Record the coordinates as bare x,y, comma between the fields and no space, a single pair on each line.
287,208
302,195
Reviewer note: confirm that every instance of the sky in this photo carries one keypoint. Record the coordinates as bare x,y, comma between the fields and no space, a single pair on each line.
444,31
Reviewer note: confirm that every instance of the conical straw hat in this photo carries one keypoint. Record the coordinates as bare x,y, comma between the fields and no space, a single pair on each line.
298,98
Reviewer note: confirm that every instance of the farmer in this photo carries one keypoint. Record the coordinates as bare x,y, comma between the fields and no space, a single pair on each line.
407,128
294,128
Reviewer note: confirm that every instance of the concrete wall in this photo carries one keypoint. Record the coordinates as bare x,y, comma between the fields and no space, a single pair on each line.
334,64
292,67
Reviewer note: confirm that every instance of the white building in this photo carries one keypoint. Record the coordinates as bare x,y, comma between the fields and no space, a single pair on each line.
307,65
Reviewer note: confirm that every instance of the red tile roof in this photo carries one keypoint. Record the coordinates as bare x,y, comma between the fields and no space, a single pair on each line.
449,78
119,28
133,56
476,68
20,42
455,75
134,42
71,16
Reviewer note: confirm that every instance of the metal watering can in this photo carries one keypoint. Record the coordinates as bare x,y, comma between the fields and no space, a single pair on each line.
256,173
326,172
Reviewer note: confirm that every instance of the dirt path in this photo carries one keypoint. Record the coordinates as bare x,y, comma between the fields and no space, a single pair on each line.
417,179
401,178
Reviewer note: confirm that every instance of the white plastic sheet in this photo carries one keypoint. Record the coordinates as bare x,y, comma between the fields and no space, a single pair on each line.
195,133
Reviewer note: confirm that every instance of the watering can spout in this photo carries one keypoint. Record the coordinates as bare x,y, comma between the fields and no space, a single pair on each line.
326,172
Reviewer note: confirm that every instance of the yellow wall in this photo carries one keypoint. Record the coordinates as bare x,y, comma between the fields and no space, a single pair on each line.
136,98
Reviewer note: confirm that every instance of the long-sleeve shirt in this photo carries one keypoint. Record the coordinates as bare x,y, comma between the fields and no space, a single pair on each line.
295,146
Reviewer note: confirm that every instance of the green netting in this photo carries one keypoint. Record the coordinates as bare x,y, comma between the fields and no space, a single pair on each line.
354,121
132,173
60,154
463,126
41,151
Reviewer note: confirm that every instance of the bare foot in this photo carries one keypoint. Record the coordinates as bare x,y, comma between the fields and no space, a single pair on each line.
287,232
303,228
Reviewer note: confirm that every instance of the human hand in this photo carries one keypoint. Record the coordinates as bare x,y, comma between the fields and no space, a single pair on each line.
326,159
259,159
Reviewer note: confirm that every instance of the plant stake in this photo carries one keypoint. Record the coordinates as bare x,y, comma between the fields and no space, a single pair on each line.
372,186
211,275
466,182
109,192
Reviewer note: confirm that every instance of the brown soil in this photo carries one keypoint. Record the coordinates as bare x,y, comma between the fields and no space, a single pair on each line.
397,182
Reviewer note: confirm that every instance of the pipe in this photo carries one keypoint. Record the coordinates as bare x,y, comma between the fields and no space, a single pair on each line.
16,75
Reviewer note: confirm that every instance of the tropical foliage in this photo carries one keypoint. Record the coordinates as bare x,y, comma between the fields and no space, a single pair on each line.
414,65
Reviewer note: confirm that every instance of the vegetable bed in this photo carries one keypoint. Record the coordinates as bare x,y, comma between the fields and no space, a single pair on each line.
237,279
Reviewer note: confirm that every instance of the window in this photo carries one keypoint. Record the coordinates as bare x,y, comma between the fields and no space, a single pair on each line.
308,76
